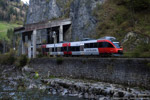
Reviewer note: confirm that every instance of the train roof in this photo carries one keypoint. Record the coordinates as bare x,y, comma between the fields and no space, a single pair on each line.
110,38
87,39
107,38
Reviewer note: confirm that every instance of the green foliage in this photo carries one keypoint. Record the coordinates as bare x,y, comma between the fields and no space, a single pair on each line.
6,29
137,5
65,7
8,58
36,76
10,34
148,65
47,1
142,50
21,61
12,10
59,60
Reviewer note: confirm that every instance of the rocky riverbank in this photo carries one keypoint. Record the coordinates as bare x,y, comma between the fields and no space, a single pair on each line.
93,90
28,79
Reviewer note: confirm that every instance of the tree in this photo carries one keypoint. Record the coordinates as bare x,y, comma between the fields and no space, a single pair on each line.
138,5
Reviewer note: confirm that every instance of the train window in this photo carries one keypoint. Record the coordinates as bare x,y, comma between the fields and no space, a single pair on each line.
87,45
47,50
73,49
69,48
43,50
62,49
55,49
65,48
104,44
52,49
95,45
77,48
100,45
91,45
110,45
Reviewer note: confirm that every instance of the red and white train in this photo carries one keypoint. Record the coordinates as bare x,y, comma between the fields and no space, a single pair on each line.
105,46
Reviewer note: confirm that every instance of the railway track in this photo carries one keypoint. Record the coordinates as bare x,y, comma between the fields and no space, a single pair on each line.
98,57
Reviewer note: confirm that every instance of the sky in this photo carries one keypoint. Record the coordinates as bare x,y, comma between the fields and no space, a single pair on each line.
25,1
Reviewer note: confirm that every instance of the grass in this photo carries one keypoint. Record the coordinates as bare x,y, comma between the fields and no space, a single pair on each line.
4,26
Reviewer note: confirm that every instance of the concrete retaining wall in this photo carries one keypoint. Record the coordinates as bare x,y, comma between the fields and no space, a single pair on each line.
132,72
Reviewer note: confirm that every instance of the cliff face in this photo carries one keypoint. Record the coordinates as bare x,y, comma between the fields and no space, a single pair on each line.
80,11
83,21
41,10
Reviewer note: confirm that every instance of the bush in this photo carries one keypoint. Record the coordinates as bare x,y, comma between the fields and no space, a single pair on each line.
8,58
142,50
137,5
59,60
21,61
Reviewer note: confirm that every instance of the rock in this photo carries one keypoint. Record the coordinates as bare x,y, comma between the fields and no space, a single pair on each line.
65,91
129,36
91,96
42,87
86,96
129,95
121,94
103,92
83,22
116,94
72,95
31,86
27,69
42,10
137,38
104,98
12,93
54,92
80,95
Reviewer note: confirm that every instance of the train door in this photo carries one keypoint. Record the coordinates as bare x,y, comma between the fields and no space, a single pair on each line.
108,47
82,49
101,48
66,49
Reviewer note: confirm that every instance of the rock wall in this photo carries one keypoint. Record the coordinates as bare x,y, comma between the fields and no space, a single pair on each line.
80,11
132,72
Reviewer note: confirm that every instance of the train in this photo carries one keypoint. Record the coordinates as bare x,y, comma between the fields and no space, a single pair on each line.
105,46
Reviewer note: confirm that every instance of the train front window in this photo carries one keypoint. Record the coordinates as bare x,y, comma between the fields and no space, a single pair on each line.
117,45
110,45
113,40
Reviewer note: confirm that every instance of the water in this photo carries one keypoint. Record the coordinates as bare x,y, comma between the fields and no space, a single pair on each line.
33,95
9,92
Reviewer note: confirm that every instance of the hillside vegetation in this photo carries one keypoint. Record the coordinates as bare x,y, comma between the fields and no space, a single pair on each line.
4,26
12,10
119,17
12,14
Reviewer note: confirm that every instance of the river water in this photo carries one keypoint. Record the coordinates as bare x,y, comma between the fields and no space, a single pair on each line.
33,95
11,92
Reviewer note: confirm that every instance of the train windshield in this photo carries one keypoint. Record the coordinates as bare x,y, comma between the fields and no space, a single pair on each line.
113,40
117,44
